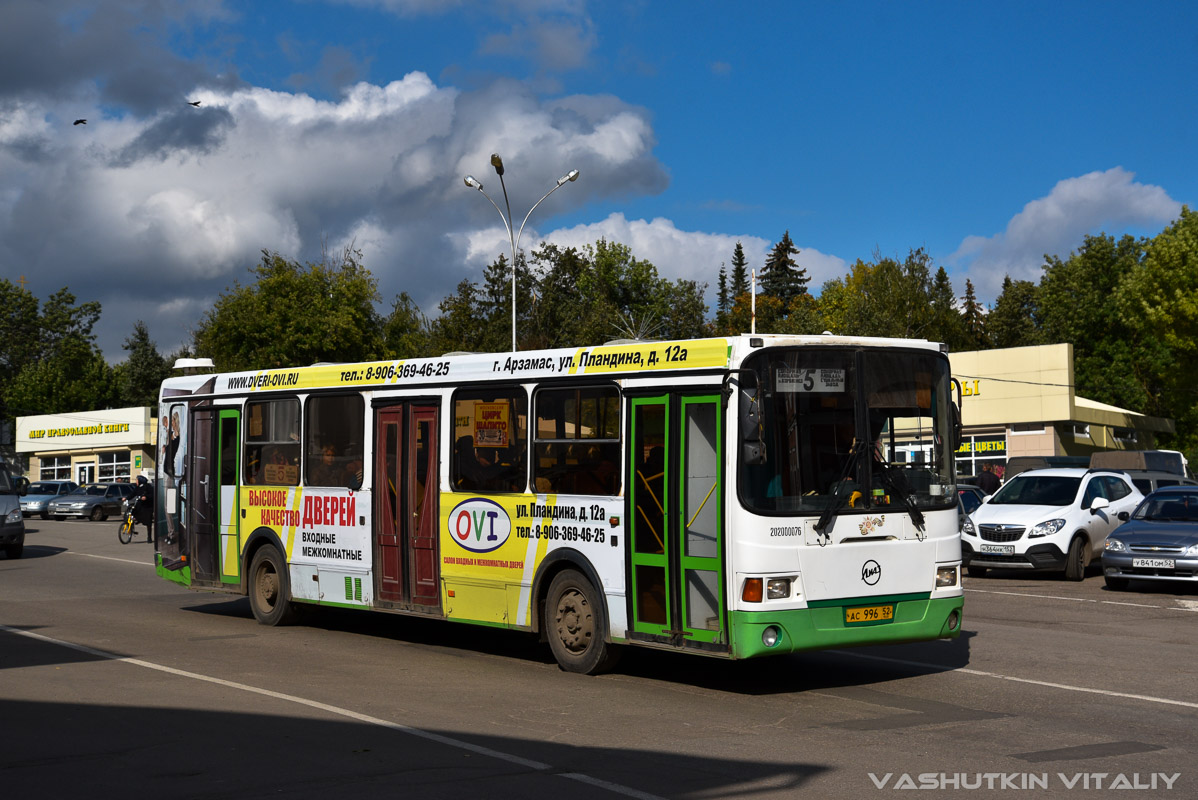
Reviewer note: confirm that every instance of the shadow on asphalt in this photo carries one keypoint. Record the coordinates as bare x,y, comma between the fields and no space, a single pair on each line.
37,551
783,674
187,748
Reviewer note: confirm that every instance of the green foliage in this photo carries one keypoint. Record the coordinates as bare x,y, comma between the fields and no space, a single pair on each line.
1113,361
51,362
455,329
20,343
1013,320
294,314
1158,301
406,331
884,298
78,379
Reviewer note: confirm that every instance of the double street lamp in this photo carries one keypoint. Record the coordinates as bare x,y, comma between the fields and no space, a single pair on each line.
514,240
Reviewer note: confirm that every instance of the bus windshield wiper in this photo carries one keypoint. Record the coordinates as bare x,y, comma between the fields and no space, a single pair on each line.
841,492
898,487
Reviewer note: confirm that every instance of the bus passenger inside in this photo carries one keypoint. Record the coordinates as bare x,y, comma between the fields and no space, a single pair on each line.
472,474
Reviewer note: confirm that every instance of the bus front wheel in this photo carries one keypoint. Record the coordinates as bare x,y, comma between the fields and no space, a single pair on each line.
270,594
574,625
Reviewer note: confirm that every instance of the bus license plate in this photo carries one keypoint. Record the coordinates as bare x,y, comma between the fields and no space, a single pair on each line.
853,616
1153,563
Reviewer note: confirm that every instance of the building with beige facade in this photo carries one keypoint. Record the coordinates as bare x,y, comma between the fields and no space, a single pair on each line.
1020,401
87,446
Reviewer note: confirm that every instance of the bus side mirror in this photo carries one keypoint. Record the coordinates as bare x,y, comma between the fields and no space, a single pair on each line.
22,486
752,444
957,416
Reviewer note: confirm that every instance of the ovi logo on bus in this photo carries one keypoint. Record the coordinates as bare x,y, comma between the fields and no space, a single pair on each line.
479,525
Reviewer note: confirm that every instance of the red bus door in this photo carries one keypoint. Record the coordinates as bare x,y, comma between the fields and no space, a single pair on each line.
406,506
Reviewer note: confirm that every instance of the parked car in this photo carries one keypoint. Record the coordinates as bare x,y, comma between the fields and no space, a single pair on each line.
1148,481
1047,519
41,493
94,501
1158,543
12,522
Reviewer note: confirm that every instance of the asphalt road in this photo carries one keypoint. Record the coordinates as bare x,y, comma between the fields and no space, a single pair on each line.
116,683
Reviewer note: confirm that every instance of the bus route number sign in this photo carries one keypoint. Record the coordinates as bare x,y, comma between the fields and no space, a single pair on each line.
802,380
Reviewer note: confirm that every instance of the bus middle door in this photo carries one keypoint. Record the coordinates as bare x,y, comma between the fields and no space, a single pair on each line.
406,505
676,523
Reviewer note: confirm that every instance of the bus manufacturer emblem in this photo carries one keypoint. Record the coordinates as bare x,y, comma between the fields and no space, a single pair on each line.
871,572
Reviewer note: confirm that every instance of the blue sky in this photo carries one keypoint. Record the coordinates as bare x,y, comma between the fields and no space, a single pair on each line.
988,133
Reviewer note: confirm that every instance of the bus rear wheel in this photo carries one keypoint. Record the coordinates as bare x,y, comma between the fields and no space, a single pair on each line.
574,625
270,594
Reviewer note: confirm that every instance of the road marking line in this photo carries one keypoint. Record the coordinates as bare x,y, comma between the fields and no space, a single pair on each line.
1184,604
344,712
984,674
110,558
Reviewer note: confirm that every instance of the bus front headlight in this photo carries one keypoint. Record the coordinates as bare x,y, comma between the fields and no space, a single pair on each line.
946,576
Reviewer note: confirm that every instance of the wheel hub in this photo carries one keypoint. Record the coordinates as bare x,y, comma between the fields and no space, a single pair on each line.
575,625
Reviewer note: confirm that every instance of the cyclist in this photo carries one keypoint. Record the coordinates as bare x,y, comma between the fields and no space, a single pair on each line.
143,505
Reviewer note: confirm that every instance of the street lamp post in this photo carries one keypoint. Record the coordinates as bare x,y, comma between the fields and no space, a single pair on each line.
514,237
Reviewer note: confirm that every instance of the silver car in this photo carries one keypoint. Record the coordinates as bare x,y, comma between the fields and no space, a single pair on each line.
41,493
1158,543
94,501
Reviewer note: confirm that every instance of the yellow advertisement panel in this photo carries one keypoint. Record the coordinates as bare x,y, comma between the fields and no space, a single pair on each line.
491,548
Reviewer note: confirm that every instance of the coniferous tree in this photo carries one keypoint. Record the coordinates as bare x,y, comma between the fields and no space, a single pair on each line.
141,375
782,277
722,294
722,302
947,326
973,317
740,274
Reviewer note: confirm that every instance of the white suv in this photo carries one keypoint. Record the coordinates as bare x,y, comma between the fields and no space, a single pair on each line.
1047,519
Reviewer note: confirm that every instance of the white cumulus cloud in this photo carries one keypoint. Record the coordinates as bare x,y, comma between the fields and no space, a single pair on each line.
1056,225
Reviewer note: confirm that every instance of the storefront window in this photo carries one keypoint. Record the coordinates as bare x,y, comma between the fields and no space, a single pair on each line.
978,450
56,468
113,466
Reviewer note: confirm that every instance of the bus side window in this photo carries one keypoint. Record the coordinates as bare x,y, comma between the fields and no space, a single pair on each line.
576,441
490,440
333,430
272,448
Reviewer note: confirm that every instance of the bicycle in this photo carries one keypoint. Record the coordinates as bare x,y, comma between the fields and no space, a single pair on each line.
128,524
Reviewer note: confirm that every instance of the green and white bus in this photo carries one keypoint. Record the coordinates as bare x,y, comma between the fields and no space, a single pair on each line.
734,497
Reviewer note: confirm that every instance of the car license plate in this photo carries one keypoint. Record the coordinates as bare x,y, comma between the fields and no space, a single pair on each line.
854,616
999,549
1153,563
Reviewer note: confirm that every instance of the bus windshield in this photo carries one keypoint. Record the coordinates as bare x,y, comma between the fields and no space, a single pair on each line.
855,429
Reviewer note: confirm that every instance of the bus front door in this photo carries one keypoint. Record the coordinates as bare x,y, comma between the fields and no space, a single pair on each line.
676,523
201,497
406,506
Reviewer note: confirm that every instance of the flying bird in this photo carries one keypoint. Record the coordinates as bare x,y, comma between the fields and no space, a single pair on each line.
80,122
194,102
